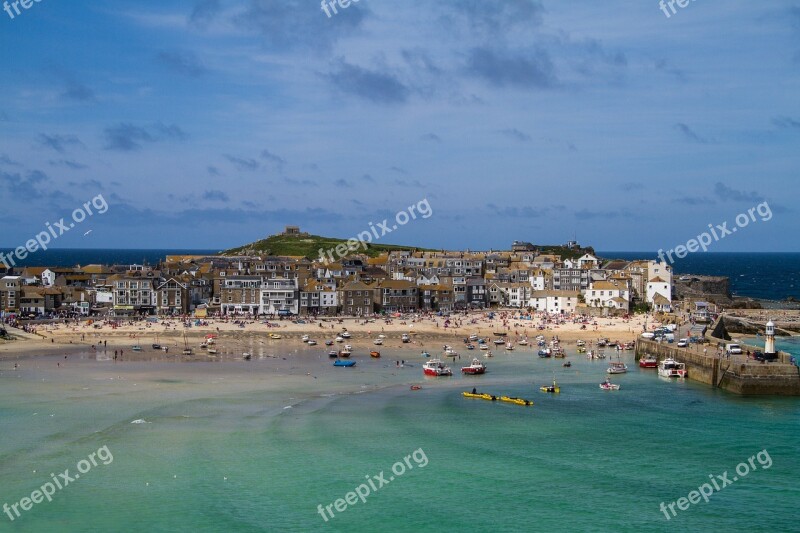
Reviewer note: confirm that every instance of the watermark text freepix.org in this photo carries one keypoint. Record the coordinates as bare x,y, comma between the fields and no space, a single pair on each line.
26,4
56,230
705,490
664,4
362,491
331,4
704,239
60,482
423,208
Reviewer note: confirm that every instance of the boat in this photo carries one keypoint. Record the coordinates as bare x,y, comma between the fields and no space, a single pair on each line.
333,353
607,385
648,361
488,354
312,342
470,346
186,349
375,354
415,387
629,346
518,401
450,352
345,335
670,368
329,343
483,347
435,367
477,367
550,388
305,338
479,395
405,338
348,347
581,343
523,342
567,364
616,367
339,362
425,354
509,346
156,345
345,353
559,353
544,352
275,336
377,342
339,338
246,356
203,345
498,342
212,351
581,349
473,337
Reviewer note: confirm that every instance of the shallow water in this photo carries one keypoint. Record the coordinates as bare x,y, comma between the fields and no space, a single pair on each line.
258,445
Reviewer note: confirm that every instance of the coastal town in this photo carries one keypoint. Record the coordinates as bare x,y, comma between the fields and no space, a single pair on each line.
397,281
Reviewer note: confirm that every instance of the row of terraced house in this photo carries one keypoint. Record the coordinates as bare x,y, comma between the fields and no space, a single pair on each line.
399,281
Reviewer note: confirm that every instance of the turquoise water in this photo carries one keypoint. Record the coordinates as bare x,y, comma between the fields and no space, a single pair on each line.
257,446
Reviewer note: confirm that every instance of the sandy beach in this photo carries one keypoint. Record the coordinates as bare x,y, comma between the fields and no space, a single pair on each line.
426,332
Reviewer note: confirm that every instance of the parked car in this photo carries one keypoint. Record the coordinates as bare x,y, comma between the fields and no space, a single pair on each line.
683,343
733,349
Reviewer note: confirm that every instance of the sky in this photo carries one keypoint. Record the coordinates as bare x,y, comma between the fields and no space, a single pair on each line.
213,123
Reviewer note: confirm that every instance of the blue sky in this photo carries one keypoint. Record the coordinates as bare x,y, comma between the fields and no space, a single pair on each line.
211,123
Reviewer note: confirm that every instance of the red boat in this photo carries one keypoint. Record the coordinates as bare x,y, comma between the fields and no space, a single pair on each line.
648,361
435,367
475,368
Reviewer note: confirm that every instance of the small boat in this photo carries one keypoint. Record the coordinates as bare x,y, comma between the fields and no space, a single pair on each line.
607,385
275,336
329,343
203,346
435,367
544,352
559,353
483,347
518,401
405,338
670,368
616,367
415,387
305,338
136,348
186,349
523,342
375,354
156,345
479,395
470,346
333,353
212,351
312,342
489,354
498,342
339,338
381,336
567,364
348,347
450,352
339,362
648,361
425,354
629,346
581,343
473,337
581,349
345,353
551,388
246,356
377,342
345,335
509,346
474,369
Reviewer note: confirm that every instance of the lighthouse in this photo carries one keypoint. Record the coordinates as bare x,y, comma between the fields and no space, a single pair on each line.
769,342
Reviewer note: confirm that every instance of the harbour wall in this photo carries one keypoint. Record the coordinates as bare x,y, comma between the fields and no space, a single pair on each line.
737,374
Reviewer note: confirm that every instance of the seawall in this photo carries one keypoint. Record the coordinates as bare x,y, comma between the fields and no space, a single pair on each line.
737,374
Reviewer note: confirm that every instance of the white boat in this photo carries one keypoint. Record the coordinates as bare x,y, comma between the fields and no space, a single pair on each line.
405,338
339,338
509,346
348,347
450,352
473,337
345,335
523,342
311,342
381,336
670,368
483,347
378,342
305,338
580,343
607,385
212,351
648,335
435,367
616,367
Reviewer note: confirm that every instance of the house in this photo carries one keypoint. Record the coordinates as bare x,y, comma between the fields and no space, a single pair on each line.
659,282
398,296
608,294
436,298
280,296
477,295
133,292
588,261
554,302
173,295
240,294
356,298
10,287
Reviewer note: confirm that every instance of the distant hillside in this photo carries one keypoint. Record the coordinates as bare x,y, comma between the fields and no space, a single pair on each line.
564,252
307,246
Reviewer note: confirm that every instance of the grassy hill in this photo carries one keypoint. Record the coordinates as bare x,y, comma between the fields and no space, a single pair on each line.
307,245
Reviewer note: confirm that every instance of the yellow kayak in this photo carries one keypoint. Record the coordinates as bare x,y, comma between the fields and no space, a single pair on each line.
481,396
274,336
518,401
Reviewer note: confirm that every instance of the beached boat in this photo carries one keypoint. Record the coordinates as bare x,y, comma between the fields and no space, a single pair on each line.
333,353
312,342
186,349
544,352
551,388
607,385
425,354
212,351
581,349
483,347
377,342
629,346
329,343
375,354
339,362
670,368
345,335
305,338
616,367
580,343
518,401
345,353
498,342
473,337
523,342
405,338
648,361
339,339
509,346
348,347
475,368
435,367
275,336
156,345
246,356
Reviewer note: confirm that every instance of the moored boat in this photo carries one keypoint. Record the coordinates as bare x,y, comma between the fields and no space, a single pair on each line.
374,354
333,353
339,362
616,367
518,401
670,368
435,367
648,361
551,388
475,368
607,385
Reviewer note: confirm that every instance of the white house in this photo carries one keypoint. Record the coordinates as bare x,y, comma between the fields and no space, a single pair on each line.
588,261
611,294
280,296
555,302
659,286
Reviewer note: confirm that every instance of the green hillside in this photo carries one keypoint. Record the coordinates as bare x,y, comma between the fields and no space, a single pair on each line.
307,246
